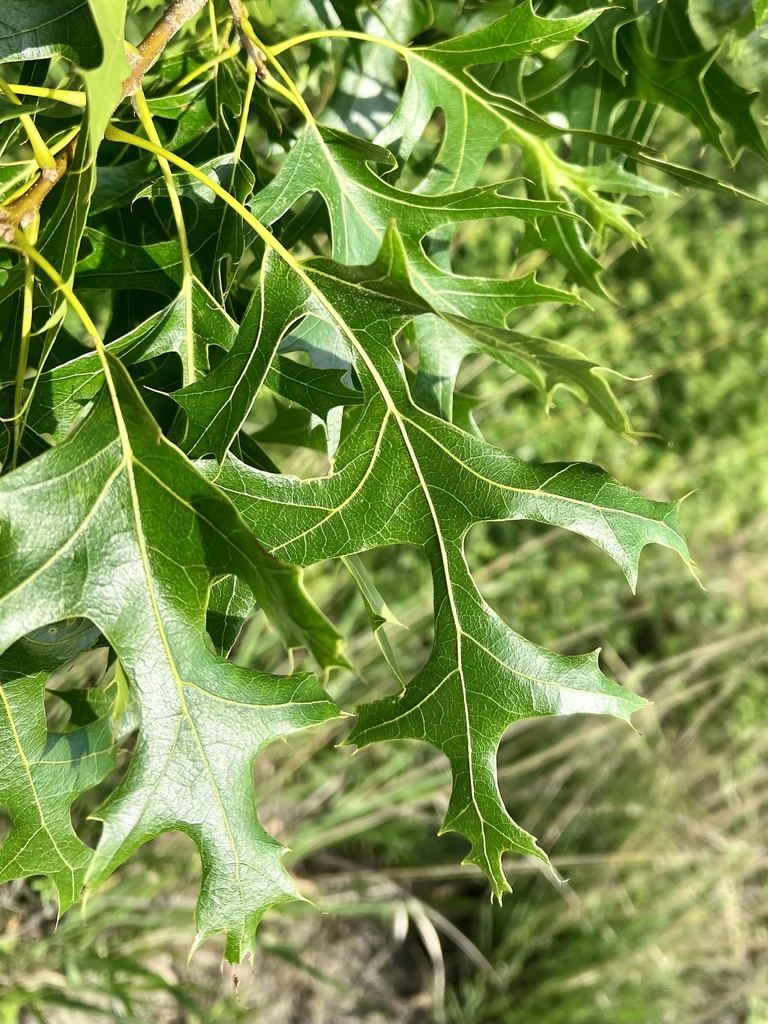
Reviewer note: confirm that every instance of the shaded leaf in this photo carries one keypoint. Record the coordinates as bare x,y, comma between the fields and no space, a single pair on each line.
218,405
41,774
669,65
48,648
113,263
62,393
317,390
230,604
33,29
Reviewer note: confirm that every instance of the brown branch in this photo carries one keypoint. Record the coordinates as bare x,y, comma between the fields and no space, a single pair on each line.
245,34
23,210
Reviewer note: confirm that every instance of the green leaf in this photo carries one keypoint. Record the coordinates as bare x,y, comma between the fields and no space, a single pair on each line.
294,427
361,205
99,527
62,393
548,365
404,477
46,649
104,84
230,604
367,90
517,34
12,176
602,36
218,404
41,774
377,610
118,185
317,390
478,120
33,29
90,33
60,235
112,539
62,227
220,169
113,263
376,607
667,64
12,111
219,235
157,266
188,112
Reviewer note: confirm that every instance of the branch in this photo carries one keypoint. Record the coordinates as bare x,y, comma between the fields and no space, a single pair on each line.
22,211
156,40
247,39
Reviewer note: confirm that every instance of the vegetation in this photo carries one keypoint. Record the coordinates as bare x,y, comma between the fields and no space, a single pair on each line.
256,398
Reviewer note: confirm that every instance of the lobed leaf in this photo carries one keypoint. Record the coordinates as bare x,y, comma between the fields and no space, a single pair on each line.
111,536
403,476
115,526
361,206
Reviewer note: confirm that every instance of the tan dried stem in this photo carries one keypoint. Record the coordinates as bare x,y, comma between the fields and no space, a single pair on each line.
22,211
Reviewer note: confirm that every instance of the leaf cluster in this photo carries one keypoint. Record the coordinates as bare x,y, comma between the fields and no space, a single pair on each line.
248,250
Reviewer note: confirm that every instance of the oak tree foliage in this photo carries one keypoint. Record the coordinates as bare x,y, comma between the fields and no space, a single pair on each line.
267,200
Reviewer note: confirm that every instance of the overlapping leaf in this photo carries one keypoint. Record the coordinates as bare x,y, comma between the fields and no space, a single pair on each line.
60,236
361,205
41,774
403,476
117,527
548,365
668,65
218,405
116,532
478,120
449,77
61,394
644,57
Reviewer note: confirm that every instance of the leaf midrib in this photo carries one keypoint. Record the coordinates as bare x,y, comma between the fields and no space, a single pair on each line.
180,683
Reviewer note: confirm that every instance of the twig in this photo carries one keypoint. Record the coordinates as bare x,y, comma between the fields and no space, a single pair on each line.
156,40
23,210
247,39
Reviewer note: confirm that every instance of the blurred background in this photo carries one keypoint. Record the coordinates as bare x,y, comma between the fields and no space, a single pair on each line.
659,910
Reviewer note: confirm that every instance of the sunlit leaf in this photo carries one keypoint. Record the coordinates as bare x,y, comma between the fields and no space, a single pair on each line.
403,476
98,528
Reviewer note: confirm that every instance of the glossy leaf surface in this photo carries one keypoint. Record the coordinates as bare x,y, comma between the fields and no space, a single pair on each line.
241,275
